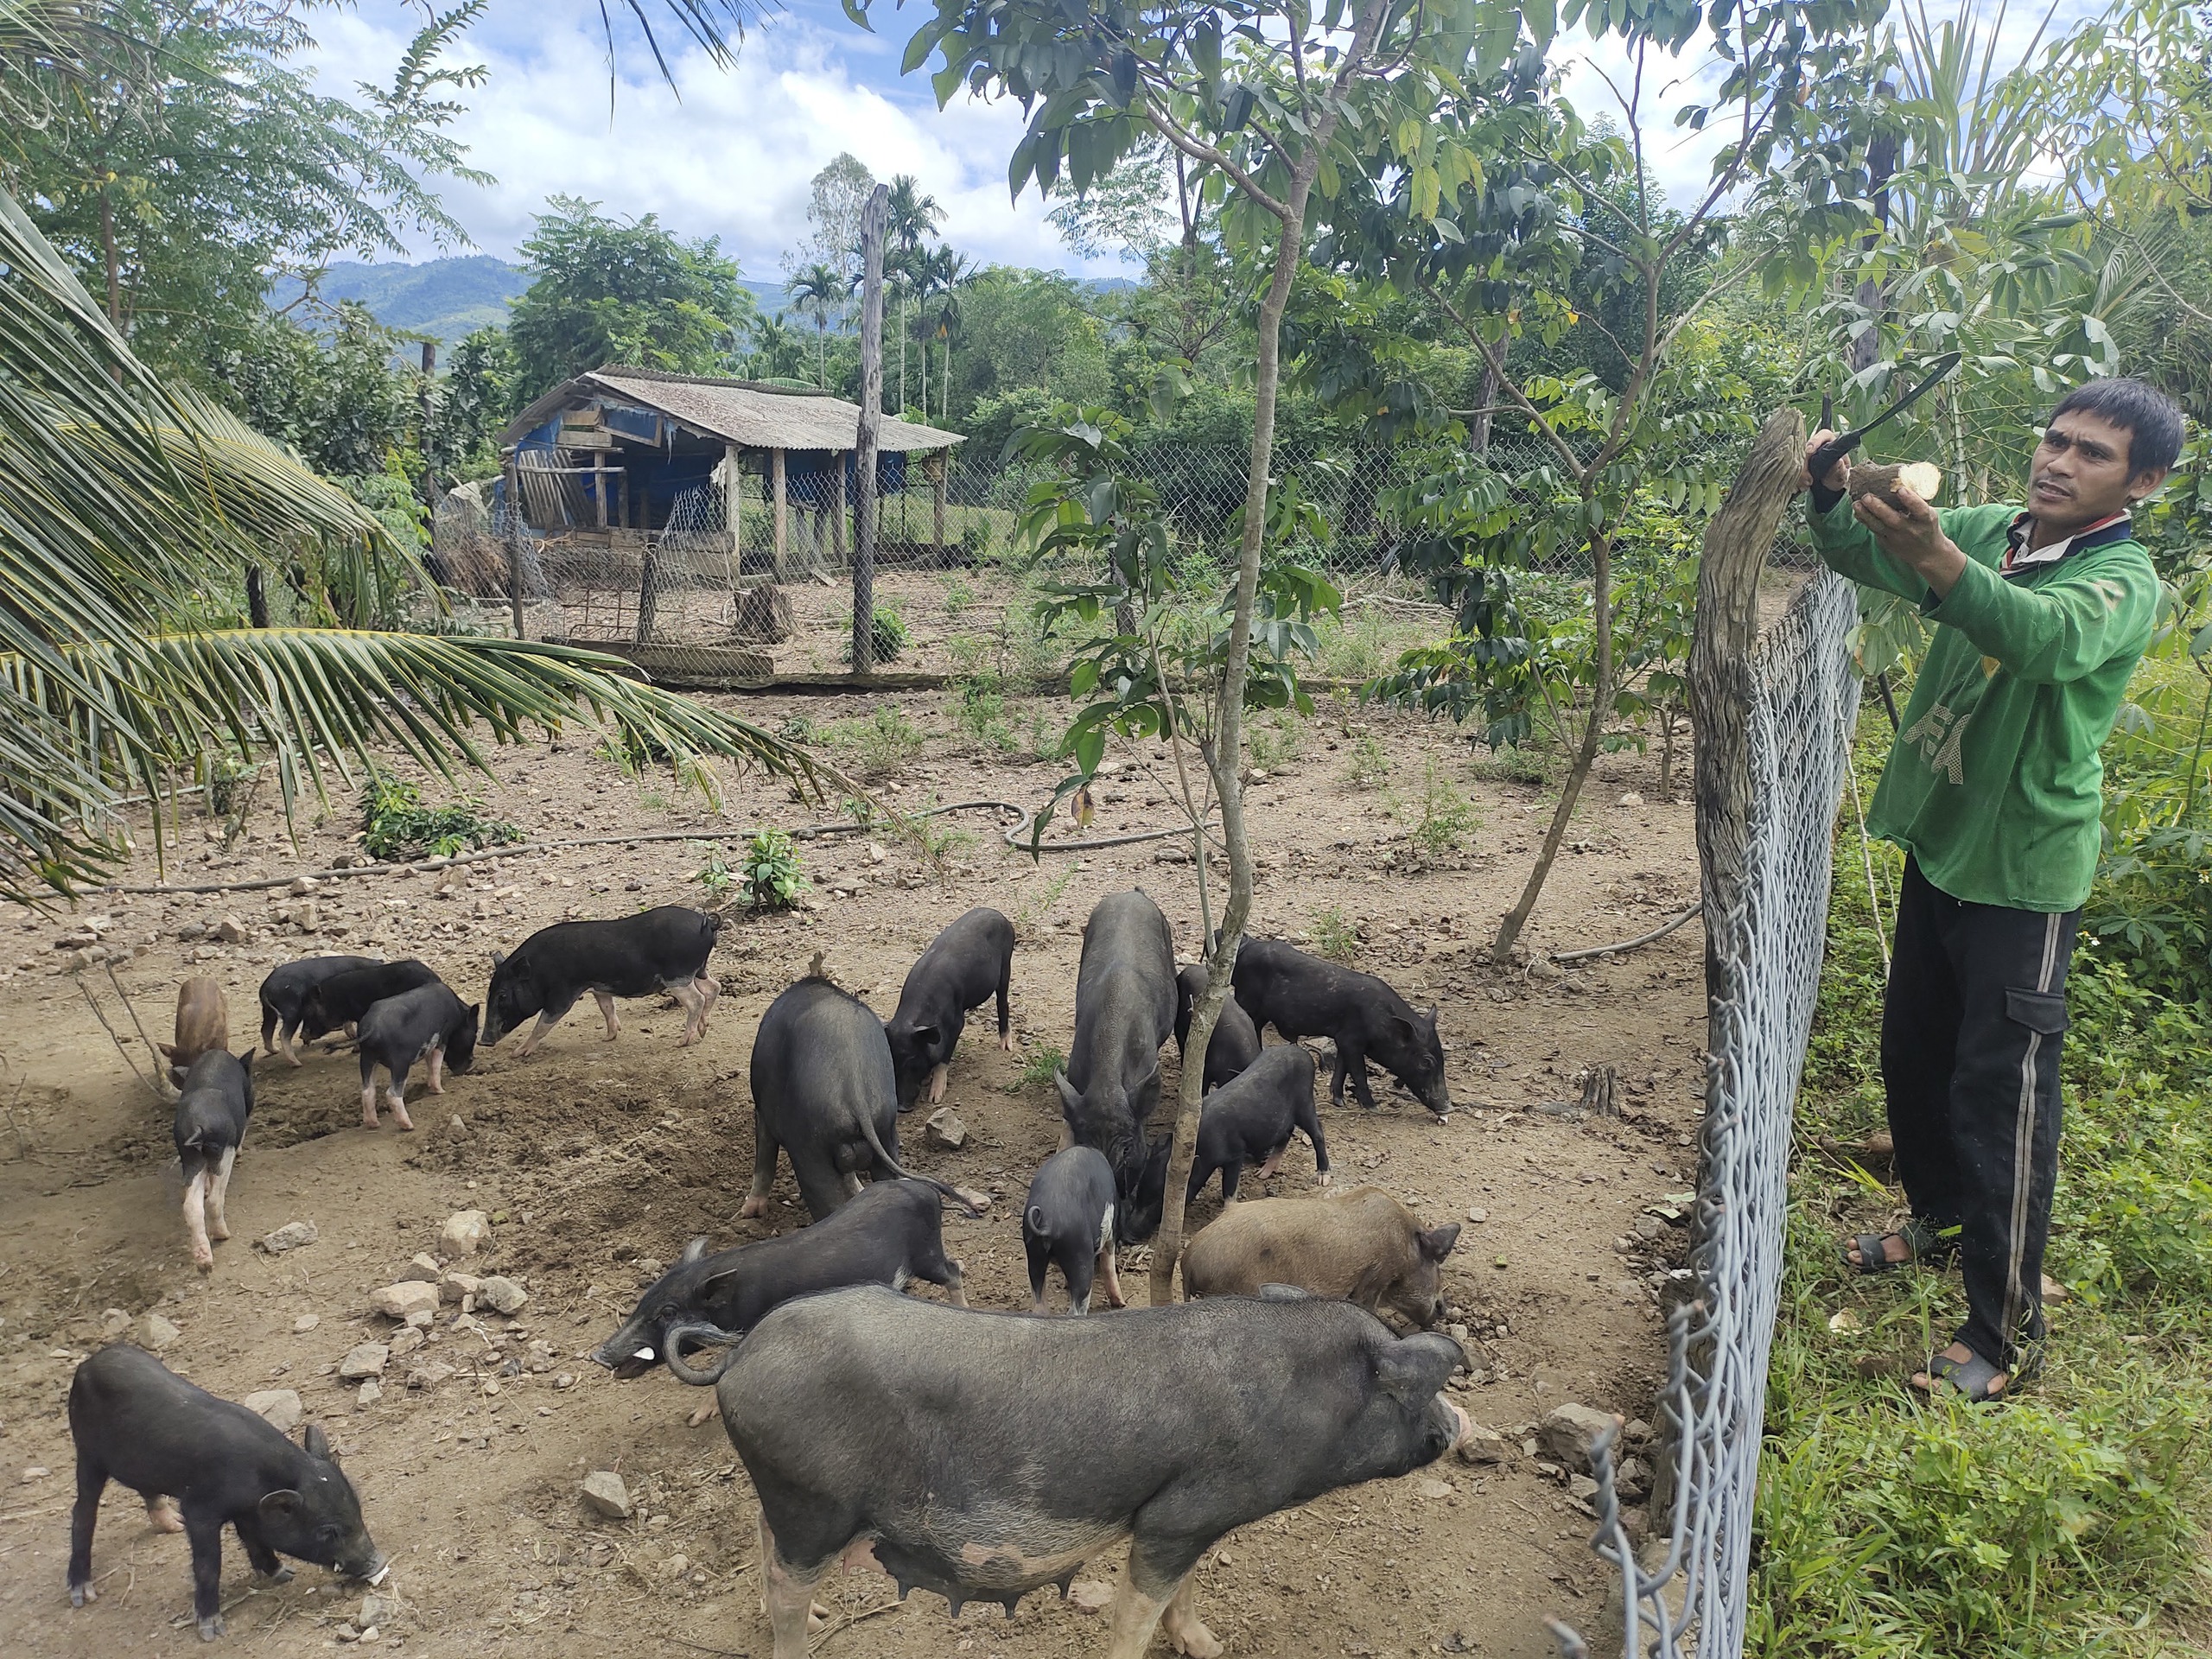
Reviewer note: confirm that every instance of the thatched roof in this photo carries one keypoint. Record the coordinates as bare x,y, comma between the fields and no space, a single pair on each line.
743,412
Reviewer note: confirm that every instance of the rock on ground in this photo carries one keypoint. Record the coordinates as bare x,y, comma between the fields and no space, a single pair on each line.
466,1232
1481,1445
156,1333
409,1296
289,1237
608,1496
280,1406
946,1129
501,1295
367,1360
1570,1432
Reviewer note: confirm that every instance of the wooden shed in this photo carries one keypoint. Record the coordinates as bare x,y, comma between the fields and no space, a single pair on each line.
605,459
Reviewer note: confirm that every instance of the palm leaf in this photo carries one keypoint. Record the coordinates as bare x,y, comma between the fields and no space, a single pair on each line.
318,702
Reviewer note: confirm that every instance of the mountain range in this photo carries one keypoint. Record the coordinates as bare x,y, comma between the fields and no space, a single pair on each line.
447,299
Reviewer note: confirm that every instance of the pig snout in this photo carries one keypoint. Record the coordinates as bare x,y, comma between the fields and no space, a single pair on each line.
628,1354
370,1568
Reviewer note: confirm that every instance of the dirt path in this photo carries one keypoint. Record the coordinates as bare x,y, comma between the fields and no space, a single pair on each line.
598,1159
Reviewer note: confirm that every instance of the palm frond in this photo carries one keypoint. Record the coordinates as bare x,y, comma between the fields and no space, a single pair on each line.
323,701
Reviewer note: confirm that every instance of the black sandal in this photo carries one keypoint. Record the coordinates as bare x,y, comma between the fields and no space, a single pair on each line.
1969,1379
1924,1245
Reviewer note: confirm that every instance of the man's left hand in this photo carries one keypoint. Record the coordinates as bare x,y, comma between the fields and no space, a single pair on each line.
1912,534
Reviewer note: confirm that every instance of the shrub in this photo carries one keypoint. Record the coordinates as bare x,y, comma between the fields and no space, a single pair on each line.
771,872
880,745
981,713
399,826
1445,820
1334,937
886,627
1370,762
1273,739
715,875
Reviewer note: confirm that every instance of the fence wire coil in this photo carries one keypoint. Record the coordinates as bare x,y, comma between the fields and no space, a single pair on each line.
1685,1592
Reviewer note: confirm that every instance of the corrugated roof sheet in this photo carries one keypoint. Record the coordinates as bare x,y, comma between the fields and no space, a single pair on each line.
740,412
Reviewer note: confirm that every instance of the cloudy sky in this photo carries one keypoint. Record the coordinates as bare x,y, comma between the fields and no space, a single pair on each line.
730,154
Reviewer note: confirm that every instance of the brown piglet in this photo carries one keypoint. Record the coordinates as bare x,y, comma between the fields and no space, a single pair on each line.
1365,1246
203,1025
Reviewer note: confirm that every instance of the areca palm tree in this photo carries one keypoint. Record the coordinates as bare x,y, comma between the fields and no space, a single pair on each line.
908,216
820,290
943,271
129,512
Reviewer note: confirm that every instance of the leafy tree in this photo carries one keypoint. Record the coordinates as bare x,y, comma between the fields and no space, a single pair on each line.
181,154
820,291
1128,213
336,398
910,218
607,290
840,191
1042,333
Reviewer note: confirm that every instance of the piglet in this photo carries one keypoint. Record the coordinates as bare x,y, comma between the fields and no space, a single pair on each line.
136,1421
203,1023
1249,1119
665,948
285,995
338,1002
209,1123
426,1023
1236,1041
1069,1223
963,967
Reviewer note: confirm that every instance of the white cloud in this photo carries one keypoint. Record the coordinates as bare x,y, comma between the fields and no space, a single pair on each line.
732,156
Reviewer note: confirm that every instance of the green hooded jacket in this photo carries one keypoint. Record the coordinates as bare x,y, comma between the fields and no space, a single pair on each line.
1995,784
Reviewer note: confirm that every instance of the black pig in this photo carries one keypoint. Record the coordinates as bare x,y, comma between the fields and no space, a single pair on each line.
1236,1040
426,1023
892,1232
824,1091
1249,1119
1124,1010
285,995
964,965
984,1455
209,1124
136,1421
1068,1222
338,1002
665,948
1303,996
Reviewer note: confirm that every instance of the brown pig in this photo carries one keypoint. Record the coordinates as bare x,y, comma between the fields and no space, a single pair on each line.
1365,1246
203,1025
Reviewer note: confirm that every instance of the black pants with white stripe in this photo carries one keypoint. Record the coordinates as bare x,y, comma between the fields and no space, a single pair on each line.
1971,1030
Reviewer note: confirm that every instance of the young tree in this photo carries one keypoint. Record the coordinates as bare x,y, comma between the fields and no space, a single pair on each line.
841,192
1267,102
1561,209
607,290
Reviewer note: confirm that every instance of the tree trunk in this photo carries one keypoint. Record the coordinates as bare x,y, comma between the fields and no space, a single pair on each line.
257,597
1479,437
1224,758
870,423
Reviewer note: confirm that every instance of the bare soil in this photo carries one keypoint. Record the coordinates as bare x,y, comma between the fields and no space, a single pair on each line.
598,1160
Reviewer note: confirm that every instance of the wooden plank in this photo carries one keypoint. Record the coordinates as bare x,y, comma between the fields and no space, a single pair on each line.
707,668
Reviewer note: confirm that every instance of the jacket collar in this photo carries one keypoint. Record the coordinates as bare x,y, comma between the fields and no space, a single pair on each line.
2117,528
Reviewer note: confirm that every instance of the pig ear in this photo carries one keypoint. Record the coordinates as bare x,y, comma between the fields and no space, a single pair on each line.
1437,1242
279,1505
1069,1099
1412,1369
695,1249
1282,1293
1429,1019
925,1034
499,960
317,1443
1148,1089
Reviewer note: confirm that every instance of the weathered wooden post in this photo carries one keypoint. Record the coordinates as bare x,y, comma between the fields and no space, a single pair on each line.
777,495
935,463
864,444
514,540
838,507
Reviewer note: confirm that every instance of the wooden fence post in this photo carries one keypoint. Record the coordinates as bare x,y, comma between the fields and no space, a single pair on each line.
864,443
514,542
778,495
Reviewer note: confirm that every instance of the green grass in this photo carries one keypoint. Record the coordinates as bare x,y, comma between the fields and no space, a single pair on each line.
1334,937
1370,764
1518,764
880,744
1273,739
1036,1071
1444,820
2071,1523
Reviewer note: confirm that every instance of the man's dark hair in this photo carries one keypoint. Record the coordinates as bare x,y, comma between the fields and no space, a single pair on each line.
2152,420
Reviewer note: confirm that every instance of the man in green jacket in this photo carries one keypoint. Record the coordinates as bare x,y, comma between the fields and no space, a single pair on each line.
1993,789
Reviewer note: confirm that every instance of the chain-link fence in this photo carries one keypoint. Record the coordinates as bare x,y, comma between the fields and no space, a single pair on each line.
1686,1590
739,586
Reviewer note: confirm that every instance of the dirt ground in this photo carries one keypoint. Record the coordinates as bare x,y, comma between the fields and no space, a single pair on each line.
599,1160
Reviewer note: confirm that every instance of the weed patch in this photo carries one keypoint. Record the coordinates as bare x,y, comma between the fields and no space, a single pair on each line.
1334,937
399,826
880,745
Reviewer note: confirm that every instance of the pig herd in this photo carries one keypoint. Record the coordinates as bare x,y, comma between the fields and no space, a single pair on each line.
979,1455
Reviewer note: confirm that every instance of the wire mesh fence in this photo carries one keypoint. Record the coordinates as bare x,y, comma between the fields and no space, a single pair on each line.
750,577
1685,1592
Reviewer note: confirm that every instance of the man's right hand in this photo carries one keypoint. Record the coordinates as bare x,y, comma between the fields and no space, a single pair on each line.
1838,476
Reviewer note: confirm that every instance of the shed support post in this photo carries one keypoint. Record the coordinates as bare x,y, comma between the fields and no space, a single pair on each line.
514,544
783,512
837,512
937,465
